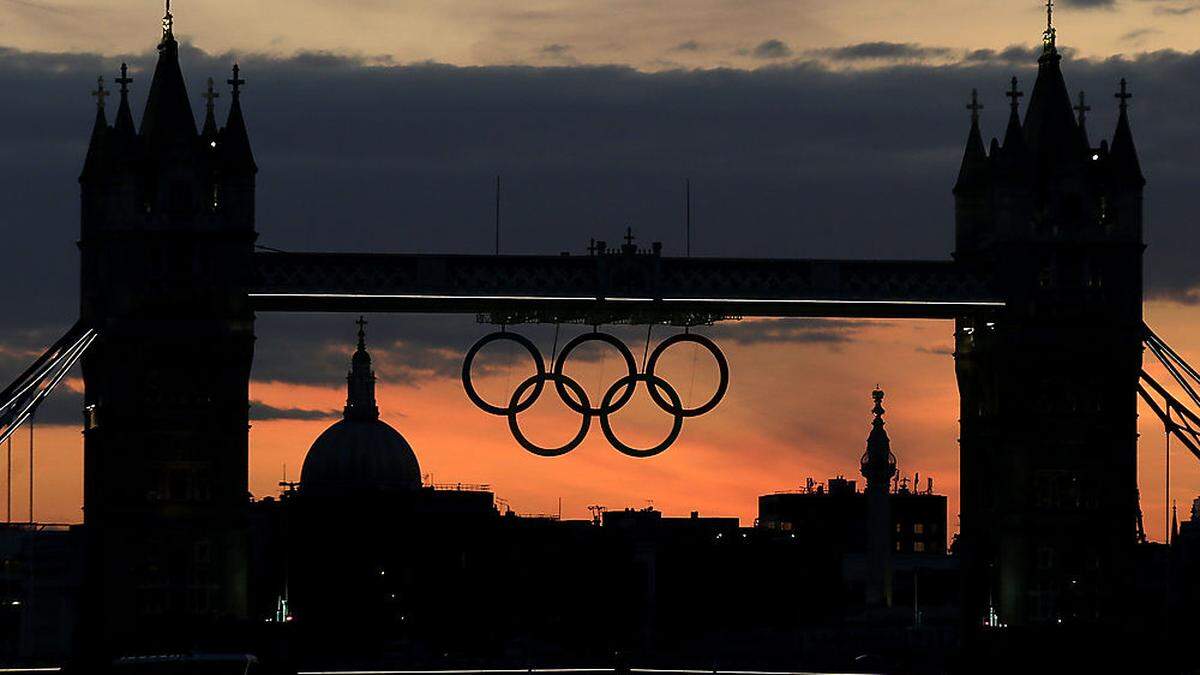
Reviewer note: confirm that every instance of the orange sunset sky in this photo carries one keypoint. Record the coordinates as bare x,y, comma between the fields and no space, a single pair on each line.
794,410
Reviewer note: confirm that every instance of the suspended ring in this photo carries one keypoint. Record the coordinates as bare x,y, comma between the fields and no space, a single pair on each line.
537,381
515,405
560,379
653,382
676,408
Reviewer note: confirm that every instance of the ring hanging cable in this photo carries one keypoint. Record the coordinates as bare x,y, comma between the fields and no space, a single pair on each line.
646,351
1167,482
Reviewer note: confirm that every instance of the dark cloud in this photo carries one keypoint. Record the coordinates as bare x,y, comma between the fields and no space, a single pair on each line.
1139,33
1177,10
936,351
785,331
883,51
1090,4
771,49
795,160
688,46
261,412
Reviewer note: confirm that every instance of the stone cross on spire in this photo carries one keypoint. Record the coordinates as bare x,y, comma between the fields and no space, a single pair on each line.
236,82
975,106
1083,108
124,79
362,332
1014,94
101,93
1124,95
209,96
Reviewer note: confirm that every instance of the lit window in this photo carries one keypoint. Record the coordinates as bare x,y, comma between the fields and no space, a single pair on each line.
919,546
918,528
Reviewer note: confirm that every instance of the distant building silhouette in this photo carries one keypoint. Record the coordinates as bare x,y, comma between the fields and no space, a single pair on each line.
360,559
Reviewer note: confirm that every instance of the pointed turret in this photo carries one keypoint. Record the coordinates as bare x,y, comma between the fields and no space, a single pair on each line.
1123,156
1050,129
360,383
235,141
168,118
1014,135
98,153
974,169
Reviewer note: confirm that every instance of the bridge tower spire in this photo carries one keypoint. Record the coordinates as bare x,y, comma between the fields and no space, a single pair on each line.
1058,225
166,241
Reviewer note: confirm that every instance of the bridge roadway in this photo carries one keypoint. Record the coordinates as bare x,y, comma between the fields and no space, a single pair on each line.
629,287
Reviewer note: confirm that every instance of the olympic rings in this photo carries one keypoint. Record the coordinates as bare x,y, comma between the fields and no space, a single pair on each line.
513,407
515,427
722,365
575,397
630,365
652,383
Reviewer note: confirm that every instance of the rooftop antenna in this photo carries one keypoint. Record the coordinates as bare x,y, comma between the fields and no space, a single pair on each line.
597,511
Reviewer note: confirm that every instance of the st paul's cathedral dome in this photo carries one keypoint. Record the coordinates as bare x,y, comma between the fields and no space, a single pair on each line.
360,454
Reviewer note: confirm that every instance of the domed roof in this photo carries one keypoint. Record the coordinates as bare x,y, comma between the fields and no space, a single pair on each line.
356,455
361,453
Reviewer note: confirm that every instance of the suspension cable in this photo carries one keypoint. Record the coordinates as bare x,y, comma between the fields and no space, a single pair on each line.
31,470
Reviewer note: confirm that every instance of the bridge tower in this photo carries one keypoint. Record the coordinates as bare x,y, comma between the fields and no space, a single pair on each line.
1048,388
167,238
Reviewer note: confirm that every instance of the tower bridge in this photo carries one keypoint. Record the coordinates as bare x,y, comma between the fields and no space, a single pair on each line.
1045,287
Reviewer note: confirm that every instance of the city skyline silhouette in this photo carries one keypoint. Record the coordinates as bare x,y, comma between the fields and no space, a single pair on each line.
1013,354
